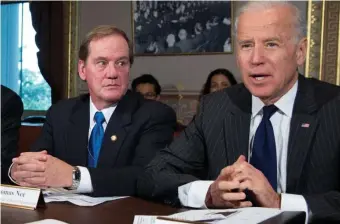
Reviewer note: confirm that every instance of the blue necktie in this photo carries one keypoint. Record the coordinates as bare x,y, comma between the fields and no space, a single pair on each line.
263,155
96,139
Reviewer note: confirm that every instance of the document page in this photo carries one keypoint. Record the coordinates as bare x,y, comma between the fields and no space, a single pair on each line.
144,219
60,194
251,215
216,216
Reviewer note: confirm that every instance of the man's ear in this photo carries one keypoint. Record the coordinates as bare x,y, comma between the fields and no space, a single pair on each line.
81,70
301,51
158,97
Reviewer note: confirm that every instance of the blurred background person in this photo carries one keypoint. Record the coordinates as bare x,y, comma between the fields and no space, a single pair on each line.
217,80
148,86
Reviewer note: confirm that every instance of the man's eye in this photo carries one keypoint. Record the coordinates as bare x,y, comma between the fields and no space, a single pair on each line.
101,63
271,44
122,63
245,46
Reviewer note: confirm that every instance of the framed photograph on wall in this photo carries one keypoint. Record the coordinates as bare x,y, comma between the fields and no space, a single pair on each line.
182,27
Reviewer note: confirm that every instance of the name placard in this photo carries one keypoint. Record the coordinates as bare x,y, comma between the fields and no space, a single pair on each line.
21,197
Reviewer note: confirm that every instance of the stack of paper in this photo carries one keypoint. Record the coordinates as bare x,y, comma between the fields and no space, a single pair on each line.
60,194
218,216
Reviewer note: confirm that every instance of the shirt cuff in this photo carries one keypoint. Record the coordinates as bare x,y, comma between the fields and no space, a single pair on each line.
85,185
9,174
194,193
295,202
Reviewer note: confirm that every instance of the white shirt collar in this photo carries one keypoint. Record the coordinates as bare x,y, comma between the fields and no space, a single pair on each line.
107,112
285,104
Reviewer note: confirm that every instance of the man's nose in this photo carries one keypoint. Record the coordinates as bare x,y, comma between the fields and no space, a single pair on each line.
112,71
257,56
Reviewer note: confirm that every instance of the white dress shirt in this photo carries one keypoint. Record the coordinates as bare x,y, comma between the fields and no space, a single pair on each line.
85,185
193,194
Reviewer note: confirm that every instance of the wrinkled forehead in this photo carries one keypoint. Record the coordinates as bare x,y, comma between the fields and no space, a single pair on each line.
274,22
113,45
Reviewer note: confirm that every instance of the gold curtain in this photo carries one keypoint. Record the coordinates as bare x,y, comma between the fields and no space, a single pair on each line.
323,54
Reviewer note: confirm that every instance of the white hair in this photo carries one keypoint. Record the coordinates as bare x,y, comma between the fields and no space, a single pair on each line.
255,5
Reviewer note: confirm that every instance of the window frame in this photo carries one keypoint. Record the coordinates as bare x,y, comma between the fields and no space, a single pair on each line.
70,39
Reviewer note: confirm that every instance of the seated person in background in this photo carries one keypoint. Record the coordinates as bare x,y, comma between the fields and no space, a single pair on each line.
99,142
148,86
11,112
272,141
217,80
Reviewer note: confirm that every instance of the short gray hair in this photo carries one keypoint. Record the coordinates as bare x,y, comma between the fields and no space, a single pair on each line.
254,5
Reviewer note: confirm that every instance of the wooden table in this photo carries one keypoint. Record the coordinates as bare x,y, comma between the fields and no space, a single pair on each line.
120,211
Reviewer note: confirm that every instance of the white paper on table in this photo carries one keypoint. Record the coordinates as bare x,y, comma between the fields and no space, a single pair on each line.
216,216
59,194
203,215
47,221
144,219
192,215
251,215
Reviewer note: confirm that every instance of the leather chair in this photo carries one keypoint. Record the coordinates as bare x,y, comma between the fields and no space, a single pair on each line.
29,133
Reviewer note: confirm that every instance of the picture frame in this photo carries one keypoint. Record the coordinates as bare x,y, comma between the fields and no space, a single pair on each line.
182,27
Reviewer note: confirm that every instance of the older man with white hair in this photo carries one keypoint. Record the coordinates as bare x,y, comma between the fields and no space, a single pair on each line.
272,141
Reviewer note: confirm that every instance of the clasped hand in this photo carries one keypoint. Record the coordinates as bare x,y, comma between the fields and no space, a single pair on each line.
41,170
227,191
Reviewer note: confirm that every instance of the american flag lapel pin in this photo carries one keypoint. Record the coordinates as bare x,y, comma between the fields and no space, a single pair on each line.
305,125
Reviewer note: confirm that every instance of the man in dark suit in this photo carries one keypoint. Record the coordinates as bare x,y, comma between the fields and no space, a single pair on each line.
98,143
271,142
11,112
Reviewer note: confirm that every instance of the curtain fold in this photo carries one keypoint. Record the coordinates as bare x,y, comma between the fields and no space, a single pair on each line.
47,20
10,52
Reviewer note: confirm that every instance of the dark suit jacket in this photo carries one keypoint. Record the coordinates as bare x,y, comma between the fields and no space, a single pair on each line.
142,128
11,112
219,134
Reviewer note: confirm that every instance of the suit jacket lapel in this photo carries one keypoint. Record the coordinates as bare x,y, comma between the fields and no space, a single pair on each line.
77,132
116,130
237,124
302,129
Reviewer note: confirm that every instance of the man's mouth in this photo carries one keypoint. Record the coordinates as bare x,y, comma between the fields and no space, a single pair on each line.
259,77
112,85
